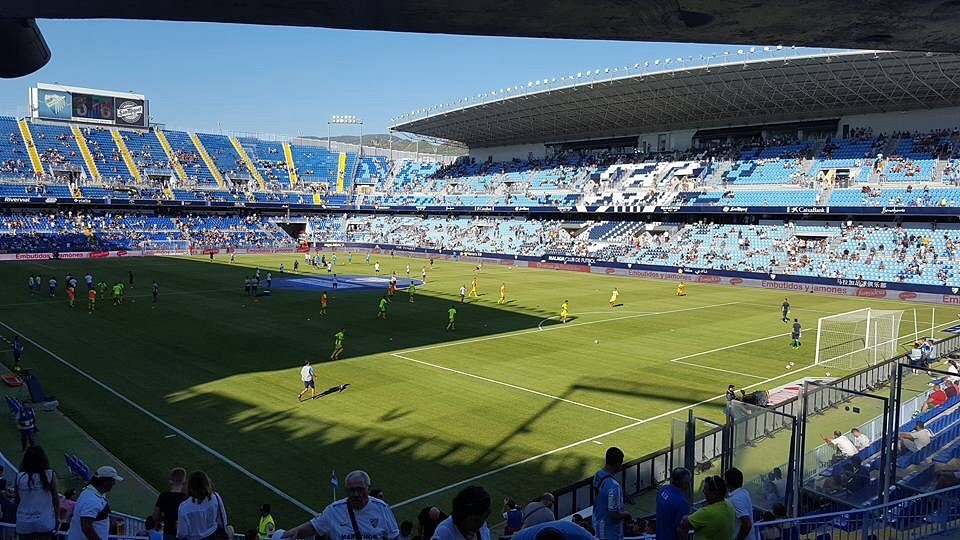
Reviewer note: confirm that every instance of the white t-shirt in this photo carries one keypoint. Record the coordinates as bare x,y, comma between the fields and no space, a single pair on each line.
196,520
861,442
844,445
375,521
446,530
306,373
91,505
953,370
36,513
743,506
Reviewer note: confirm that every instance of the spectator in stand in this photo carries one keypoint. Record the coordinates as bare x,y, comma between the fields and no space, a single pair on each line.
915,440
742,505
468,518
67,504
406,530
266,526
539,511
427,521
36,497
202,514
715,520
673,502
513,515
168,503
936,399
91,517
842,445
860,441
608,511
554,530
357,516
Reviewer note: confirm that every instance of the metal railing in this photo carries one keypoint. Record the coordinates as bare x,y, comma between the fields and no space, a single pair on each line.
651,470
919,516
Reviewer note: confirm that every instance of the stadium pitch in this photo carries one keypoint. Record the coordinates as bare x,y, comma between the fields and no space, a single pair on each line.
512,399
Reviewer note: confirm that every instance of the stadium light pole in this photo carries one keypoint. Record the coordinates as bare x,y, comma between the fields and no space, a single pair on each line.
348,120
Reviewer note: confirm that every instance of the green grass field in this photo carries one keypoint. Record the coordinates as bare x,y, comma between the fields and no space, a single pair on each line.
511,400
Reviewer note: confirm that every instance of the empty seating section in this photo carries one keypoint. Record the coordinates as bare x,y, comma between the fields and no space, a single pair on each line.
372,169
107,156
804,197
316,164
268,158
770,165
14,161
943,197
189,158
57,148
224,155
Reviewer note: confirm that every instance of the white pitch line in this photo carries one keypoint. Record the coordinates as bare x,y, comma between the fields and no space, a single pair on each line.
680,360
584,441
559,326
552,317
166,424
515,387
730,371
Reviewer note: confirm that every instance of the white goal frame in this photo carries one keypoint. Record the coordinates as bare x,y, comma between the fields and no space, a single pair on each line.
874,348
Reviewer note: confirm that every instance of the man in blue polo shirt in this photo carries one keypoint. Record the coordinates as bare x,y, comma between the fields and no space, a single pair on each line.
672,504
608,513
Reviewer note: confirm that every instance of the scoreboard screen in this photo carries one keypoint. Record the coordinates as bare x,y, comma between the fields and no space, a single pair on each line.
59,102
96,108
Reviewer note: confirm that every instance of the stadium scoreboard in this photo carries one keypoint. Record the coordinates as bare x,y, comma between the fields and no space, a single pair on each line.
58,102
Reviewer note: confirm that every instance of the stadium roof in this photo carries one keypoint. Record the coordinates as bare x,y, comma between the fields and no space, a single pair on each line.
754,89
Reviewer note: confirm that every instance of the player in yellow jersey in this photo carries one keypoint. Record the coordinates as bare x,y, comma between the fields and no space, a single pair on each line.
613,297
681,289
564,311
503,294
474,289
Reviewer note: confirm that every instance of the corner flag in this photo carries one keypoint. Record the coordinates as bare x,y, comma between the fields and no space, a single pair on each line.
334,481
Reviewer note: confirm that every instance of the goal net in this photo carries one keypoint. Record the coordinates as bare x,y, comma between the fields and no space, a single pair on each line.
857,339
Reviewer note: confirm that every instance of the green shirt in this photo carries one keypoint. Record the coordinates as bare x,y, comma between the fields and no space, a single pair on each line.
383,304
117,290
714,522
412,289
452,312
339,337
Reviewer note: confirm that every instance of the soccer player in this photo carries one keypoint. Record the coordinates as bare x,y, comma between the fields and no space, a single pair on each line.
795,335
102,287
53,287
479,266
474,289
91,300
130,276
423,275
785,309
382,313
336,282
368,259
283,268
503,294
246,286
564,311
337,345
89,280
681,289
156,291
408,271
30,283
613,297
117,292
376,268
349,257
296,266
323,303
334,259
452,318
309,381
412,290
233,257
72,296
463,293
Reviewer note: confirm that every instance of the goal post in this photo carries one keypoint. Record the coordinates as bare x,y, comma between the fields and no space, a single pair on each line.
858,338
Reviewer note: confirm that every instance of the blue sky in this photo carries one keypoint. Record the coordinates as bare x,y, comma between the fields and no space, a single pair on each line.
281,80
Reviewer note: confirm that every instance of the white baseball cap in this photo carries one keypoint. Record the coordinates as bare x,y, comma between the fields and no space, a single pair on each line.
108,472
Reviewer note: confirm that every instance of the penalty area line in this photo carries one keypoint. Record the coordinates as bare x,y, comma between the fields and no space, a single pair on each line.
583,441
680,359
165,423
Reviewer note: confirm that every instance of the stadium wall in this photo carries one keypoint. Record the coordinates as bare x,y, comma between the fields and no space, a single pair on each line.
507,153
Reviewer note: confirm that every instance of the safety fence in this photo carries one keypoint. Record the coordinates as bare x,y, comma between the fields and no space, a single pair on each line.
651,470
